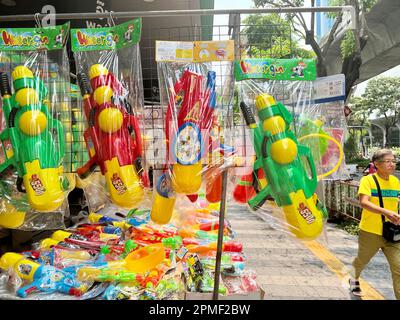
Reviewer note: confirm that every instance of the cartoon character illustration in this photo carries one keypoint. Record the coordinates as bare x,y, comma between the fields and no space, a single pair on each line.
220,53
298,70
59,37
128,33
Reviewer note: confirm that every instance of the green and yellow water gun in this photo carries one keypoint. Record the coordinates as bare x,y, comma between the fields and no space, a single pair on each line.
28,143
288,168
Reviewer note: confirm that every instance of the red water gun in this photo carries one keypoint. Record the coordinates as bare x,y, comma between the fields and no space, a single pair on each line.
190,111
113,137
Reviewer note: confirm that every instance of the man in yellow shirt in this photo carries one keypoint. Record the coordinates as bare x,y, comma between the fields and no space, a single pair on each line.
370,237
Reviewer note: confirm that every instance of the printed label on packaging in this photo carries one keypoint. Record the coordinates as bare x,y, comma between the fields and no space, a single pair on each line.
49,38
197,51
276,69
182,252
174,51
206,51
117,37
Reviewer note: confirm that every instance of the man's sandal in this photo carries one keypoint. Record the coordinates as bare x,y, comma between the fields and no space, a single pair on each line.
355,287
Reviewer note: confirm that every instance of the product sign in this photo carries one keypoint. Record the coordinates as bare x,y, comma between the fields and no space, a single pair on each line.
276,69
194,51
116,37
49,38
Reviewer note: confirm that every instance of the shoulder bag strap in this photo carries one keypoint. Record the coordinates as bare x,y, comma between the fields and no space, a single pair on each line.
379,195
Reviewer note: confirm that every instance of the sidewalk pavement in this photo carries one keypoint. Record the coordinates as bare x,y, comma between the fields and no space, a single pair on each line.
290,269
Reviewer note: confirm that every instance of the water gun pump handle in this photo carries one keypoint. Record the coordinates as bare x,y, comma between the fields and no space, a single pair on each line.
247,114
84,85
5,88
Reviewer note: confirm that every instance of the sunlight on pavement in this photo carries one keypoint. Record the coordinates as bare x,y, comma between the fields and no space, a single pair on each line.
335,265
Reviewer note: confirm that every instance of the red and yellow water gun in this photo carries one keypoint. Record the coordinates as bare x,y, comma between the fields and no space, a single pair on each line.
113,137
189,114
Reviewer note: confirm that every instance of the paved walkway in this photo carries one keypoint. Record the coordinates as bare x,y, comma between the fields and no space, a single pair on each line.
290,269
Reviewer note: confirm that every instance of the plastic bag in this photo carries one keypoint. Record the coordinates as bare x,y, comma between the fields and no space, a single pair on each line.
284,169
109,76
196,96
35,177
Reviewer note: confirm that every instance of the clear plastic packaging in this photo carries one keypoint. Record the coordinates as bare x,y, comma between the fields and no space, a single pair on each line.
35,175
110,80
195,97
274,95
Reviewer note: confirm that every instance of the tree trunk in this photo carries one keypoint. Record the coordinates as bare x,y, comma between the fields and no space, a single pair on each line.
362,142
321,68
387,137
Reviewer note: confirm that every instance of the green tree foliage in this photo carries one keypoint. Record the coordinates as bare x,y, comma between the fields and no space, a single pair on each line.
271,36
352,43
382,96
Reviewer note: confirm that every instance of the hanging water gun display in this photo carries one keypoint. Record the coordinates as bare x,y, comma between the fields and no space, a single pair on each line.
28,142
290,182
184,128
112,103
111,125
190,92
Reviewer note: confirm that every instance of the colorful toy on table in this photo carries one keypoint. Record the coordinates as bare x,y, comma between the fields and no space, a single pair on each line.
70,239
280,156
135,263
189,115
200,234
44,278
151,234
228,265
123,291
111,125
126,223
95,230
116,252
204,246
245,283
28,143
197,278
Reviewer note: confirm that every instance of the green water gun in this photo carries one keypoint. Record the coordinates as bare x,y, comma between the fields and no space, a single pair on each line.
288,167
28,144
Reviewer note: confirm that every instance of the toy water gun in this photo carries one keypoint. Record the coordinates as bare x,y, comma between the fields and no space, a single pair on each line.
111,124
123,224
28,143
150,234
194,115
70,239
201,246
280,157
139,261
43,278
184,141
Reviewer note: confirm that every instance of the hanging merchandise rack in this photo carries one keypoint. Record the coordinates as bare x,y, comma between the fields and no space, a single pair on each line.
154,117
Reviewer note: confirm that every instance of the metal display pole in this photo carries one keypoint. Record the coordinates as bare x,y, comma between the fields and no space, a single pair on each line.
220,233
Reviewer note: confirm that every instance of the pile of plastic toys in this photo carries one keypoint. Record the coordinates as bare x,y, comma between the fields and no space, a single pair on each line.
129,258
